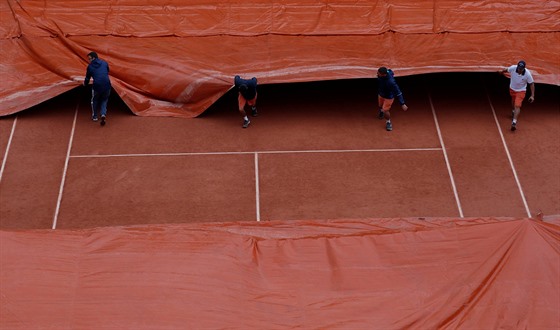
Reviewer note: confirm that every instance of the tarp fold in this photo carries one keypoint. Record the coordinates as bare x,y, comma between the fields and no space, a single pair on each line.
176,58
373,273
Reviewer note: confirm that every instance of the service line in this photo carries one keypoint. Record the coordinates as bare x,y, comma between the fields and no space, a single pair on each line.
174,154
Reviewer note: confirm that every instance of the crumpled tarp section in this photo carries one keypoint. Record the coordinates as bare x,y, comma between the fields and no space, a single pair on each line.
344,274
176,58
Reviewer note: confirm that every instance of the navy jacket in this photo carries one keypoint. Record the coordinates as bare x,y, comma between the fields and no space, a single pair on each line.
99,71
388,88
251,87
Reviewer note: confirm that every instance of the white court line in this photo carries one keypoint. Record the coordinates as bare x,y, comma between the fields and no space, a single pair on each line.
252,152
55,220
508,156
8,148
257,193
446,158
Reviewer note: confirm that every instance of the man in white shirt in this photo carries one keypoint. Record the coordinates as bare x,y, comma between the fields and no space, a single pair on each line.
520,77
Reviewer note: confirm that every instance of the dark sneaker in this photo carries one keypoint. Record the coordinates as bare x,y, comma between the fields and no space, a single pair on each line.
513,126
389,126
254,112
381,114
94,118
102,121
246,123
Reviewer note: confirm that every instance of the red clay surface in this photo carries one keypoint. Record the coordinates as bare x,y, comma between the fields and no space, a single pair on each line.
316,151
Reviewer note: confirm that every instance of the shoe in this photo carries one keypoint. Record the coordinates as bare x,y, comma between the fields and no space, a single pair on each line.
389,126
513,126
381,114
254,112
94,118
102,121
246,123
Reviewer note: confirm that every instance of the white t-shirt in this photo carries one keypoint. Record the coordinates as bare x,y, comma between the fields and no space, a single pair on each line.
519,82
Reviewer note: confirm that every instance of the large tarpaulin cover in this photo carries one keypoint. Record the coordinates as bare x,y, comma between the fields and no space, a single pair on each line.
346,274
177,57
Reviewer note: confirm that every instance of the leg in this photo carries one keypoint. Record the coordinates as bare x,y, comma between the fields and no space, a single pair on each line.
380,101
512,95
517,102
253,104
516,112
104,101
94,105
513,101
103,110
387,113
242,102
388,124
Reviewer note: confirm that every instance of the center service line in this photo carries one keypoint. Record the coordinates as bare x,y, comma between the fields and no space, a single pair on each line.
446,158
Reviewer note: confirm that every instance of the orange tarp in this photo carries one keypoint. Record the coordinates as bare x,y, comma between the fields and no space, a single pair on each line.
367,274
175,58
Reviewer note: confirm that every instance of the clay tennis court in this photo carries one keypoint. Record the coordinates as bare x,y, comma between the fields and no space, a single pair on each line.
316,152
313,216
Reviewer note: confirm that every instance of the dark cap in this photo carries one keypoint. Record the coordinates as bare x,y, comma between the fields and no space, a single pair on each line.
382,70
93,55
521,65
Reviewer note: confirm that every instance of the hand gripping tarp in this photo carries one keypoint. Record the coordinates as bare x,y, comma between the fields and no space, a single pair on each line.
366,274
176,58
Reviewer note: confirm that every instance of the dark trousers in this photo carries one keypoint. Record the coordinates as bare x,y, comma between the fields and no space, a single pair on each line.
99,102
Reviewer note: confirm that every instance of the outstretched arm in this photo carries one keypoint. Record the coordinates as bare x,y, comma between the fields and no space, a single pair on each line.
505,72
400,96
88,77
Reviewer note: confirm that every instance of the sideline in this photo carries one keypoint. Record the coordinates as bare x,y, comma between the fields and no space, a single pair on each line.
4,160
508,154
446,158
63,180
257,192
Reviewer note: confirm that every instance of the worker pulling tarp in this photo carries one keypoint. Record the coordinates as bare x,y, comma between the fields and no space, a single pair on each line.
176,59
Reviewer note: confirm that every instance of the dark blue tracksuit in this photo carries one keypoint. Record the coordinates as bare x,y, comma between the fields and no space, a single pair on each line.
388,88
251,91
99,71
